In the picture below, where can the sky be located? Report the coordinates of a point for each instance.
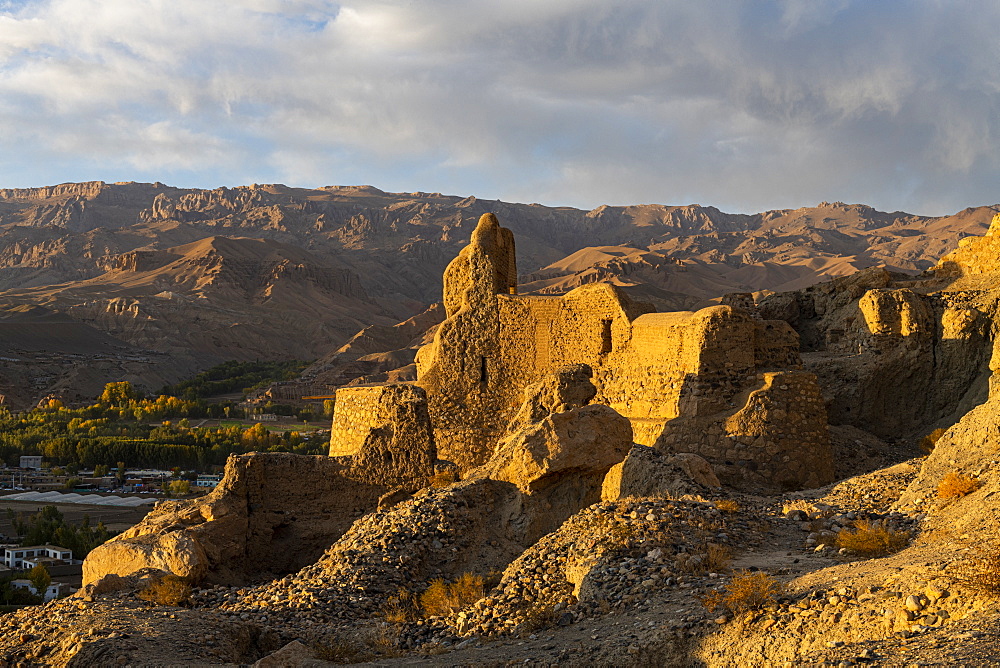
(744, 105)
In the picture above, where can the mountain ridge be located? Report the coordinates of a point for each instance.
(272, 271)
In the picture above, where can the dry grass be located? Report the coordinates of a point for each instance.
(956, 485)
(980, 571)
(360, 645)
(167, 590)
(343, 649)
(747, 591)
(385, 639)
(538, 618)
(441, 598)
(727, 506)
(872, 539)
(719, 557)
(928, 442)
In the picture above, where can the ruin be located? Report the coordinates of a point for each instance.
(720, 382)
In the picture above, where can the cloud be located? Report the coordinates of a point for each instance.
(746, 106)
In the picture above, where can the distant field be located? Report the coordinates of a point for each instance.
(115, 519)
(274, 426)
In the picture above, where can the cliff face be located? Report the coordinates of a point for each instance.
(900, 355)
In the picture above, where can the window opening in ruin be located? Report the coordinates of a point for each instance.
(605, 336)
(482, 370)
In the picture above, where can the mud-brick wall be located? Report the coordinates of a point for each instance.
(539, 335)
(776, 345)
(358, 411)
(680, 364)
(644, 379)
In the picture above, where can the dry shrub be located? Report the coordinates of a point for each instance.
(718, 558)
(727, 506)
(928, 442)
(980, 571)
(468, 588)
(872, 539)
(385, 639)
(441, 598)
(956, 485)
(167, 590)
(359, 645)
(714, 558)
(444, 478)
(745, 592)
(343, 649)
(402, 608)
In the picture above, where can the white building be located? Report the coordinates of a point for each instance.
(208, 481)
(54, 590)
(31, 462)
(14, 557)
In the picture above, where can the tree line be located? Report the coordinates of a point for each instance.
(117, 428)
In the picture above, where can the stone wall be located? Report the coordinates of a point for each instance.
(777, 439)
(272, 514)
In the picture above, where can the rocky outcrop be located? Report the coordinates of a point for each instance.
(974, 255)
(558, 450)
(272, 514)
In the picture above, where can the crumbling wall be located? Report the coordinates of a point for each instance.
(542, 334)
(385, 428)
(467, 389)
(272, 514)
(495, 343)
(652, 368)
(680, 363)
(891, 360)
(776, 436)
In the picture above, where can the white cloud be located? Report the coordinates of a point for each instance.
(743, 105)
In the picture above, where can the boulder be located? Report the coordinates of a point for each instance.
(647, 472)
(555, 434)
(291, 655)
(569, 387)
(174, 552)
(579, 443)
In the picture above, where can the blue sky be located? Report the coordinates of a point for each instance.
(742, 105)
